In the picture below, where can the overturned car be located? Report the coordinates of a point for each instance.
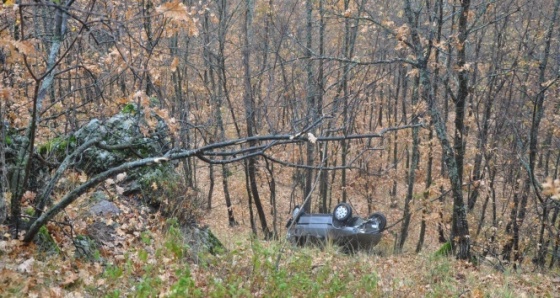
(340, 227)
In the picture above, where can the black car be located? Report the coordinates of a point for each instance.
(340, 227)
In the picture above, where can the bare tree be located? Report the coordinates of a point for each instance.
(43, 82)
(250, 117)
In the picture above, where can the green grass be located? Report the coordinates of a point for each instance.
(161, 264)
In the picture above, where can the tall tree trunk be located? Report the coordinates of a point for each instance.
(411, 177)
(426, 194)
(231, 218)
(438, 15)
(402, 84)
(538, 112)
(312, 112)
(493, 87)
(320, 90)
(20, 177)
(345, 113)
(249, 103)
(350, 34)
(460, 227)
(224, 93)
(212, 182)
(556, 242)
(3, 167)
(272, 186)
(452, 155)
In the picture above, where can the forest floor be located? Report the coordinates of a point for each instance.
(147, 256)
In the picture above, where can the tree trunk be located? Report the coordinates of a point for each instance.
(212, 181)
(411, 170)
(453, 157)
(273, 210)
(312, 113)
(3, 167)
(19, 179)
(320, 90)
(249, 104)
(538, 112)
(426, 195)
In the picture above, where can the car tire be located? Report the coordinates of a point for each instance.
(380, 219)
(296, 210)
(296, 213)
(342, 212)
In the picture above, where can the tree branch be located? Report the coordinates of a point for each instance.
(63, 166)
(201, 153)
(72, 196)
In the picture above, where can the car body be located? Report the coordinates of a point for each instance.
(339, 227)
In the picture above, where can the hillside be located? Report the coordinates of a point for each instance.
(144, 254)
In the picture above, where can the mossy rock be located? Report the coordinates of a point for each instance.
(215, 246)
(202, 240)
(157, 182)
(128, 127)
(86, 248)
(58, 147)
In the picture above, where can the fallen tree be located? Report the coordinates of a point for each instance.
(205, 153)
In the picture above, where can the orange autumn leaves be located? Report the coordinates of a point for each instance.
(181, 16)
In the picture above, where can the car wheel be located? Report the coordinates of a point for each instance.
(342, 212)
(295, 216)
(296, 211)
(378, 221)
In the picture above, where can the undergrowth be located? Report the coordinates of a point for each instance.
(249, 269)
(160, 264)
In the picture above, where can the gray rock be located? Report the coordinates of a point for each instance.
(124, 129)
(100, 232)
(132, 188)
(99, 196)
(104, 208)
(202, 240)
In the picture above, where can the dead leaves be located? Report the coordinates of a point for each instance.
(26, 266)
(69, 279)
(174, 64)
(180, 15)
(23, 272)
(5, 93)
(551, 188)
(25, 47)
